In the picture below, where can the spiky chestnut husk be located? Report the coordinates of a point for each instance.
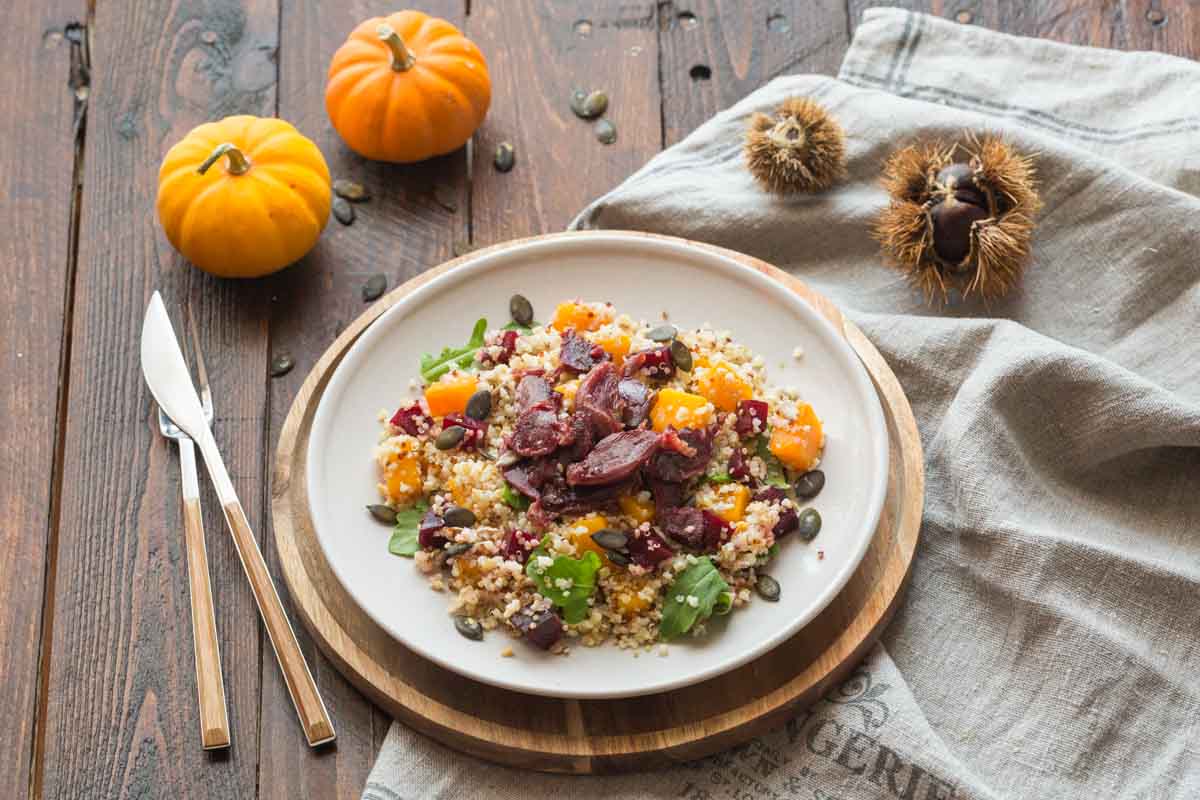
(955, 224)
(799, 148)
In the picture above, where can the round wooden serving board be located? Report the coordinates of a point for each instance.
(586, 736)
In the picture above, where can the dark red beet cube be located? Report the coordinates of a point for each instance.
(412, 420)
(739, 469)
(751, 418)
(789, 520)
(517, 545)
(655, 362)
(541, 628)
(648, 550)
(429, 531)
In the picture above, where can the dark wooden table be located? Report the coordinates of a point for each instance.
(95, 639)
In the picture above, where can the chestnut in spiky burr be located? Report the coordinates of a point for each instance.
(798, 148)
(963, 224)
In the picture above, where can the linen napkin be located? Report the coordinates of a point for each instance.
(1049, 642)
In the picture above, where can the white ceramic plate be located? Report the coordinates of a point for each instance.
(641, 277)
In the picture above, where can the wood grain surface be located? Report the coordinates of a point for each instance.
(605, 735)
(210, 683)
(94, 625)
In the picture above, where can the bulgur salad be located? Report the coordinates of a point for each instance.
(597, 479)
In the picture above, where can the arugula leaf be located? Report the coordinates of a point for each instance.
(514, 498)
(776, 476)
(516, 326)
(581, 572)
(773, 550)
(433, 367)
(719, 478)
(404, 536)
(703, 582)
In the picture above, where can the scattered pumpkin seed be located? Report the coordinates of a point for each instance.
(373, 288)
(354, 192)
(606, 132)
(663, 333)
(445, 196)
(385, 514)
(281, 365)
(469, 628)
(456, 549)
(450, 437)
(617, 557)
(505, 157)
(480, 405)
(681, 355)
(767, 588)
(610, 539)
(589, 105)
(810, 484)
(459, 517)
(343, 212)
(520, 309)
(809, 525)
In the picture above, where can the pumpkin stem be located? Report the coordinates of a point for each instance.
(402, 57)
(238, 163)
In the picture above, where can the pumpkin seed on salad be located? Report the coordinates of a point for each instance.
(597, 479)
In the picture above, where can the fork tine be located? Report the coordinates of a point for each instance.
(205, 394)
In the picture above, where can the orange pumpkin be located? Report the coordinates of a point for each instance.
(243, 197)
(407, 87)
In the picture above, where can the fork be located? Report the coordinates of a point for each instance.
(210, 685)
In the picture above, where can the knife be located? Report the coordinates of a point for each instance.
(170, 382)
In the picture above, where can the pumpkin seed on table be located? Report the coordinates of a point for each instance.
(469, 627)
(589, 105)
(663, 333)
(343, 212)
(458, 517)
(810, 484)
(809, 524)
(767, 588)
(385, 514)
(450, 437)
(610, 539)
(681, 355)
(373, 288)
(354, 192)
(505, 157)
(480, 405)
(520, 309)
(281, 365)
(606, 132)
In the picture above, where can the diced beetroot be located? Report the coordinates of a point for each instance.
(429, 531)
(751, 418)
(666, 494)
(506, 342)
(412, 420)
(508, 345)
(578, 354)
(771, 494)
(541, 628)
(476, 431)
(517, 545)
(655, 362)
(716, 530)
(739, 470)
(670, 440)
(672, 465)
(695, 528)
(648, 549)
(789, 520)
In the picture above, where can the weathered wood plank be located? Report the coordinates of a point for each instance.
(121, 718)
(715, 52)
(36, 190)
(538, 53)
(1167, 26)
(404, 229)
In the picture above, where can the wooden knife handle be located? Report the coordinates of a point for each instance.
(318, 728)
(210, 686)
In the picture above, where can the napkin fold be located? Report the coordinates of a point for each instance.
(1049, 642)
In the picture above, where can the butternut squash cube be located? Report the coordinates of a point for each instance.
(681, 410)
(798, 444)
(450, 394)
(722, 386)
(580, 316)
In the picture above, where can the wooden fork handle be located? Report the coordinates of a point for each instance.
(210, 686)
(318, 728)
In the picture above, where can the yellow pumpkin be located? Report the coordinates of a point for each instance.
(243, 197)
(407, 87)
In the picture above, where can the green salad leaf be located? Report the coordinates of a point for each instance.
(434, 367)
(404, 536)
(516, 326)
(719, 478)
(776, 475)
(703, 582)
(514, 498)
(567, 582)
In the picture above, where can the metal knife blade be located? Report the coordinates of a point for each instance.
(166, 372)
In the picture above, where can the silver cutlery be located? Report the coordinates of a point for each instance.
(210, 685)
(167, 375)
